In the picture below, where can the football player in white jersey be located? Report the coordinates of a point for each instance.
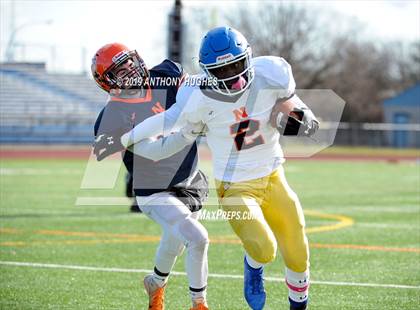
(244, 112)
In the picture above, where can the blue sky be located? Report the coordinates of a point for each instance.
(142, 25)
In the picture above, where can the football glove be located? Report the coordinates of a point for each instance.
(299, 122)
(107, 144)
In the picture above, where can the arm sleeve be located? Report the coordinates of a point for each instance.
(161, 148)
(160, 124)
(173, 119)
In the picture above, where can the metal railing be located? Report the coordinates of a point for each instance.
(378, 134)
(79, 127)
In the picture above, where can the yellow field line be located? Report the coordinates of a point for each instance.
(12, 231)
(343, 221)
(215, 240)
(222, 240)
(81, 242)
(85, 234)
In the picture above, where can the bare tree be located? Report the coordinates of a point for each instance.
(324, 56)
(408, 63)
(296, 33)
(326, 50)
(362, 77)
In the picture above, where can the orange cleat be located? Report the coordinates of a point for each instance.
(200, 305)
(155, 292)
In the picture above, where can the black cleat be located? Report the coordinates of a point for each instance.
(301, 307)
(298, 305)
(135, 208)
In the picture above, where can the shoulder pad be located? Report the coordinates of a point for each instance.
(168, 68)
(276, 71)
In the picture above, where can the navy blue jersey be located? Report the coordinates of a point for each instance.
(149, 176)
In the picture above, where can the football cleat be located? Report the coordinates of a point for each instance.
(155, 292)
(298, 306)
(135, 208)
(254, 286)
(200, 305)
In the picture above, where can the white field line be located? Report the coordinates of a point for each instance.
(212, 275)
(37, 171)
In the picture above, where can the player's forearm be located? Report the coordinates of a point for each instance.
(160, 124)
(161, 148)
(153, 126)
(287, 106)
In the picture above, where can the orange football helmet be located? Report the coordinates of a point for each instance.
(108, 58)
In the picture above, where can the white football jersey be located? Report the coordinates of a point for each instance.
(243, 143)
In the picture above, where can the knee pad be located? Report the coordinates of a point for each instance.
(171, 248)
(262, 251)
(193, 232)
(297, 256)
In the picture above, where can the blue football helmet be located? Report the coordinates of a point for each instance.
(225, 57)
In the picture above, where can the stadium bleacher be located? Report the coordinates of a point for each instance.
(41, 107)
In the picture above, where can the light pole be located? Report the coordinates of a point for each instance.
(11, 42)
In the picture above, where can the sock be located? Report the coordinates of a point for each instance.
(253, 263)
(160, 278)
(198, 295)
(298, 284)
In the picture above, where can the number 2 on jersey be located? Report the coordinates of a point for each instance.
(242, 133)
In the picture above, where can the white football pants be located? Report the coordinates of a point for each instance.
(181, 229)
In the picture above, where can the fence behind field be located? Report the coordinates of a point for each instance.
(378, 135)
(41, 107)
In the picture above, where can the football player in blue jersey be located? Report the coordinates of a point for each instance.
(169, 191)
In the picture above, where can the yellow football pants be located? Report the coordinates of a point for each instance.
(279, 219)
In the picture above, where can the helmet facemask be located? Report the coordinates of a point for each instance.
(232, 76)
(128, 72)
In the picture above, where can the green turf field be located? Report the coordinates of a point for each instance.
(363, 221)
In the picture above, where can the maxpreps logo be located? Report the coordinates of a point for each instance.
(224, 58)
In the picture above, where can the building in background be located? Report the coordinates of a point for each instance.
(404, 110)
